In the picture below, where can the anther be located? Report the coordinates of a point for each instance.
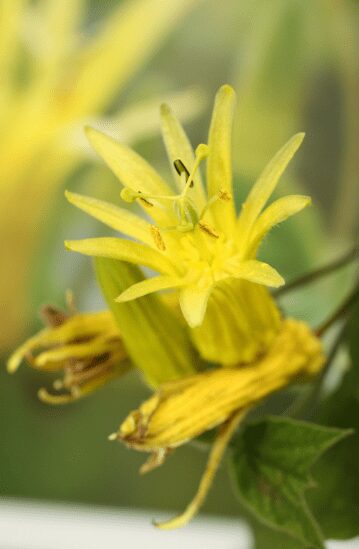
(145, 202)
(157, 237)
(181, 168)
(112, 436)
(208, 229)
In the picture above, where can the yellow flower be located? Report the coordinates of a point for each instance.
(196, 242)
(182, 410)
(87, 348)
(53, 78)
(201, 248)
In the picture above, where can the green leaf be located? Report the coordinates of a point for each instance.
(266, 538)
(336, 504)
(271, 465)
(155, 338)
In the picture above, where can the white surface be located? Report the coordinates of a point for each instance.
(29, 525)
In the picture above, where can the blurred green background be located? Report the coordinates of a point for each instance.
(295, 67)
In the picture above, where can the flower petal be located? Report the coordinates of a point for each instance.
(27, 347)
(120, 219)
(178, 146)
(219, 162)
(121, 47)
(277, 212)
(193, 301)
(149, 286)
(98, 346)
(265, 186)
(126, 250)
(258, 272)
(132, 170)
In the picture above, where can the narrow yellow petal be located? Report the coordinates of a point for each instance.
(265, 186)
(129, 36)
(149, 286)
(214, 460)
(219, 162)
(125, 250)
(120, 219)
(277, 212)
(133, 171)
(62, 21)
(258, 272)
(193, 301)
(141, 121)
(178, 146)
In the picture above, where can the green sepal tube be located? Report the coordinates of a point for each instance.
(155, 338)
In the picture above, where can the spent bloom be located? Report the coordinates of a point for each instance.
(85, 347)
(199, 248)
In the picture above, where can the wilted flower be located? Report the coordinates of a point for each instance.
(85, 347)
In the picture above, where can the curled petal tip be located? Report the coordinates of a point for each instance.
(48, 398)
(13, 364)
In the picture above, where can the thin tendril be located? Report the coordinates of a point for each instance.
(350, 256)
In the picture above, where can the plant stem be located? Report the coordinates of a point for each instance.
(342, 310)
(352, 255)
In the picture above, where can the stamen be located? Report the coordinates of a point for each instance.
(201, 153)
(157, 237)
(208, 229)
(112, 436)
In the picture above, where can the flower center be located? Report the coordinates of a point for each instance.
(186, 211)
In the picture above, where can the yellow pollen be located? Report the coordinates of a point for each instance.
(224, 195)
(157, 237)
(208, 230)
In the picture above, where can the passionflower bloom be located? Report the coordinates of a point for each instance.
(200, 248)
(85, 347)
(54, 76)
